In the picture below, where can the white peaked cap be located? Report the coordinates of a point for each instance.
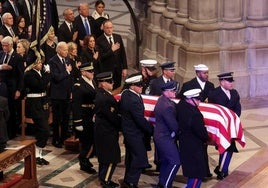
(134, 79)
(192, 93)
(148, 62)
(201, 67)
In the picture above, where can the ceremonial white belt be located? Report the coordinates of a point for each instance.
(88, 105)
(34, 95)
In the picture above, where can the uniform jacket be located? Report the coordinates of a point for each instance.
(111, 60)
(107, 126)
(192, 84)
(166, 124)
(4, 115)
(61, 81)
(34, 83)
(218, 96)
(193, 135)
(156, 84)
(14, 77)
(134, 125)
(83, 94)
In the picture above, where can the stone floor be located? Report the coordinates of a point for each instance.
(63, 171)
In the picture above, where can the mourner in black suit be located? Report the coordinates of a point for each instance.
(107, 127)
(83, 111)
(84, 24)
(11, 74)
(193, 135)
(134, 126)
(113, 55)
(26, 10)
(201, 82)
(66, 31)
(60, 93)
(168, 72)
(166, 133)
(36, 82)
(8, 29)
(226, 96)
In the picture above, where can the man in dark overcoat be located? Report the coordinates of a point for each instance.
(226, 96)
(134, 126)
(84, 92)
(166, 133)
(193, 135)
(107, 127)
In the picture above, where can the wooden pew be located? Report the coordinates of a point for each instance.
(13, 156)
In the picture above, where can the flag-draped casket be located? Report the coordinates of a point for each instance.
(222, 124)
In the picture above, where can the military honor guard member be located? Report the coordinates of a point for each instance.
(134, 126)
(193, 135)
(201, 82)
(84, 92)
(168, 72)
(36, 81)
(107, 127)
(227, 96)
(166, 133)
(148, 72)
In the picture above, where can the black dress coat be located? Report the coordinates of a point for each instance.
(156, 84)
(64, 33)
(193, 135)
(24, 11)
(87, 57)
(61, 80)
(134, 126)
(4, 115)
(193, 84)
(107, 126)
(218, 96)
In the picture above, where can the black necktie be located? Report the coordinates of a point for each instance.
(110, 40)
(71, 26)
(6, 59)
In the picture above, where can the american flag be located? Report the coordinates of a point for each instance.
(41, 24)
(222, 124)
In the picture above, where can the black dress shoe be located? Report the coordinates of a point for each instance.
(113, 184)
(109, 184)
(44, 161)
(128, 185)
(88, 170)
(222, 175)
(209, 175)
(217, 170)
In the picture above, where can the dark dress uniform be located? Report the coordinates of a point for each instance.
(192, 84)
(107, 127)
(83, 110)
(218, 96)
(134, 126)
(36, 104)
(193, 135)
(165, 137)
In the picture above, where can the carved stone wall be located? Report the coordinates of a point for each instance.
(226, 35)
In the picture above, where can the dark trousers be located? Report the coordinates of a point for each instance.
(224, 161)
(106, 171)
(167, 173)
(132, 174)
(41, 131)
(117, 77)
(194, 183)
(86, 139)
(60, 109)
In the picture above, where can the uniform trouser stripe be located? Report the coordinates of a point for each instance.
(108, 172)
(170, 175)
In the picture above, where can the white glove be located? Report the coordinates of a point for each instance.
(173, 134)
(47, 68)
(79, 128)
